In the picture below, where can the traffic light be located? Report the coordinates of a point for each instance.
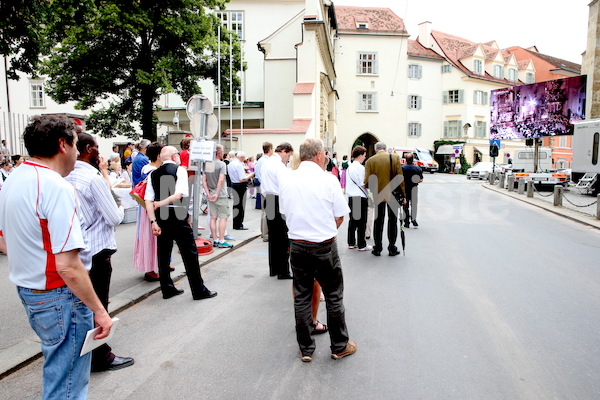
(493, 150)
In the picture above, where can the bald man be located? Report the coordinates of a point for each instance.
(168, 216)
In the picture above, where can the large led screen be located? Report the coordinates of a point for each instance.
(536, 110)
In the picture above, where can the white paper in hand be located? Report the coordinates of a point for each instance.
(90, 343)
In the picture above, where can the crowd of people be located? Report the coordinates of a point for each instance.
(70, 230)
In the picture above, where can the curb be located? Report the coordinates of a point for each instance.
(573, 215)
(28, 350)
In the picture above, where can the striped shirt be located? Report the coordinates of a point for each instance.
(97, 210)
(38, 219)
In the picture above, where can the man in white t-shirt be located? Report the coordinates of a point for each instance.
(314, 206)
(42, 241)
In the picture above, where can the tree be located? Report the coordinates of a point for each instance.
(21, 38)
(118, 57)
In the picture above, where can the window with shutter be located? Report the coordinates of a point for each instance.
(367, 64)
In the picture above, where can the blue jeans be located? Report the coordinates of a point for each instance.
(61, 321)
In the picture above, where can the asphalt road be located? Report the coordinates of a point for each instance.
(495, 299)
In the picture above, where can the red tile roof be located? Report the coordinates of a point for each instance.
(416, 49)
(378, 20)
(455, 47)
(299, 125)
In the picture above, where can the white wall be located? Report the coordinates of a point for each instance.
(388, 124)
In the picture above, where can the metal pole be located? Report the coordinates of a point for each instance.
(219, 82)
(242, 101)
(598, 207)
(198, 177)
(230, 92)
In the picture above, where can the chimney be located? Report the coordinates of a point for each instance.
(425, 35)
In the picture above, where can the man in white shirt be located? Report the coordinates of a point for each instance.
(239, 184)
(357, 200)
(314, 206)
(42, 241)
(275, 171)
(99, 215)
(267, 152)
(168, 185)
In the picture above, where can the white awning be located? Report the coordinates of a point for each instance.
(483, 150)
(449, 149)
(445, 149)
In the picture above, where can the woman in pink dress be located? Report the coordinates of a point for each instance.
(145, 257)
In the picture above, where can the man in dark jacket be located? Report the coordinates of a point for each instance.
(413, 175)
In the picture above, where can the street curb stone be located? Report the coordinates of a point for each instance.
(28, 350)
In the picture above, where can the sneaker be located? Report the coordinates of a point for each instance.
(351, 247)
(225, 245)
(306, 358)
(229, 237)
(216, 243)
(350, 349)
(366, 248)
(415, 223)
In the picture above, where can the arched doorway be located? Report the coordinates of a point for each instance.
(368, 141)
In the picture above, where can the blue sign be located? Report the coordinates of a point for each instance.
(495, 142)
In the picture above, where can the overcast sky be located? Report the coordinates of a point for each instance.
(558, 29)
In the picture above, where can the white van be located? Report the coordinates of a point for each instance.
(522, 160)
(422, 158)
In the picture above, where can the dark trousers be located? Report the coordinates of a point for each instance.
(279, 245)
(100, 275)
(178, 230)
(410, 214)
(392, 230)
(357, 223)
(318, 261)
(239, 204)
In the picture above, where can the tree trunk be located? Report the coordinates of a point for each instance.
(148, 125)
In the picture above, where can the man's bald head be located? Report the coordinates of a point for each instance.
(170, 153)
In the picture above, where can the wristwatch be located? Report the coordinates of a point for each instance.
(153, 221)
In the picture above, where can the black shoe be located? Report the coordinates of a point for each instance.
(241, 228)
(394, 252)
(376, 252)
(150, 278)
(367, 237)
(209, 294)
(172, 293)
(286, 276)
(415, 223)
(117, 363)
(407, 224)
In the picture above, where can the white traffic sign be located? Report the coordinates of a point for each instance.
(202, 151)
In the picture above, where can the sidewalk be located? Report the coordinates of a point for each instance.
(28, 349)
(545, 200)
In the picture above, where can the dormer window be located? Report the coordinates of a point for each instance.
(478, 67)
(499, 71)
(362, 25)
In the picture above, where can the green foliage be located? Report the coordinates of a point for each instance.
(21, 34)
(464, 165)
(117, 57)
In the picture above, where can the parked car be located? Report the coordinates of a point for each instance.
(481, 170)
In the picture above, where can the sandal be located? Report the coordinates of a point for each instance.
(316, 331)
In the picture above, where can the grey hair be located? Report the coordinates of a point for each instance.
(380, 146)
(310, 148)
(144, 143)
